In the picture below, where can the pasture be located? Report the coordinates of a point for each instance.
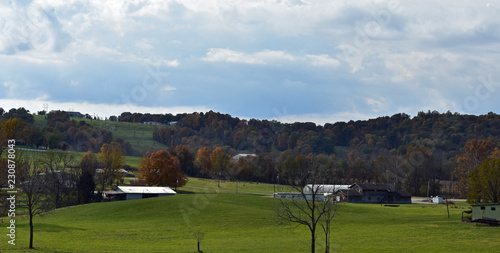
(246, 223)
(139, 135)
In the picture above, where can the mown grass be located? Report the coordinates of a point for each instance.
(201, 185)
(245, 223)
(129, 160)
(140, 136)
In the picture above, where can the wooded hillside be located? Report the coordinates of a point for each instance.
(416, 153)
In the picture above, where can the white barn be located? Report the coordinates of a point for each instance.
(139, 192)
(325, 188)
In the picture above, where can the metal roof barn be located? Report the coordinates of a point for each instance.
(139, 192)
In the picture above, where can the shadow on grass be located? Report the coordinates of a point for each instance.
(184, 192)
(53, 228)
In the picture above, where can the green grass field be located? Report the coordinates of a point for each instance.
(140, 136)
(129, 160)
(201, 185)
(245, 223)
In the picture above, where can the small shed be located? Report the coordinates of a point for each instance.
(139, 192)
(437, 200)
(486, 212)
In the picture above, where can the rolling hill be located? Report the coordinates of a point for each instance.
(245, 223)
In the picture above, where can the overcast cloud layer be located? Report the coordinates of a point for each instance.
(320, 61)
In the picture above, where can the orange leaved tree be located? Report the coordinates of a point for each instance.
(162, 169)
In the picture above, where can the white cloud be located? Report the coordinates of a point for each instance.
(426, 56)
(270, 56)
(23, 89)
(144, 44)
(226, 55)
(377, 105)
(168, 88)
(74, 83)
(9, 86)
(323, 60)
(406, 67)
(267, 57)
(261, 57)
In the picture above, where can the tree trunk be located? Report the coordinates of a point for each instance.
(199, 246)
(327, 248)
(31, 230)
(313, 241)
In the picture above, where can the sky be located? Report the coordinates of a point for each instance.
(318, 61)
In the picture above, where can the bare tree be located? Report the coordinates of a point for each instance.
(59, 183)
(198, 235)
(309, 206)
(330, 210)
(34, 198)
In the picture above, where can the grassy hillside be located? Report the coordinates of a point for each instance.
(130, 160)
(201, 185)
(140, 136)
(245, 223)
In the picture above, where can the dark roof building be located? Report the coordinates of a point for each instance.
(374, 193)
(75, 114)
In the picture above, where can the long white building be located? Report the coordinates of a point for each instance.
(325, 188)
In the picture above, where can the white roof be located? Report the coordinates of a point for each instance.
(326, 188)
(238, 156)
(145, 189)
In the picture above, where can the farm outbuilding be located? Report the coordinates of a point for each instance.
(373, 193)
(486, 212)
(325, 188)
(139, 192)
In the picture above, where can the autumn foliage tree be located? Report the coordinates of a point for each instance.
(475, 152)
(203, 160)
(162, 169)
(10, 129)
(220, 162)
(112, 159)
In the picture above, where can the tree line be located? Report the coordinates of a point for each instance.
(418, 153)
(447, 132)
(61, 132)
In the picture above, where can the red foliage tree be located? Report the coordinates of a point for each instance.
(162, 169)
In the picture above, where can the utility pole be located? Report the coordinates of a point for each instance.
(218, 182)
(428, 181)
(387, 184)
(278, 179)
